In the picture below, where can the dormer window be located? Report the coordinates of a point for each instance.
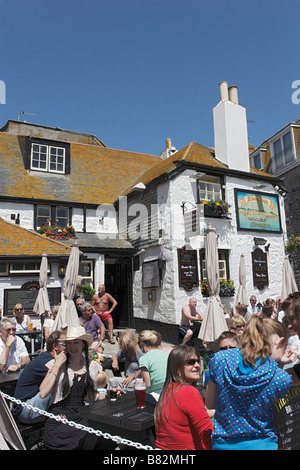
(282, 151)
(47, 158)
(256, 161)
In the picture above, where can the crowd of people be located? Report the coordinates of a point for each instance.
(253, 375)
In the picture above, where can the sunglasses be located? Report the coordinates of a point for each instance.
(192, 362)
(19, 309)
(10, 329)
(227, 347)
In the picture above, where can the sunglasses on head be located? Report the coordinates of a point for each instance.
(192, 362)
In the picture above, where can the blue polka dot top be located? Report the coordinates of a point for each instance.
(245, 395)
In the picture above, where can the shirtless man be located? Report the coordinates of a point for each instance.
(188, 313)
(100, 303)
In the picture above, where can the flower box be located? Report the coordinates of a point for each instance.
(227, 288)
(216, 208)
(56, 232)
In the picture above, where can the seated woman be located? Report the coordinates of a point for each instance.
(70, 383)
(181, 420)
(153, 363)
(22, 320)
(129, 352)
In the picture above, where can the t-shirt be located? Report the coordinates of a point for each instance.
(92, 325)
(155, 362)
(184, 423)
(31, 378)
(16, 352)
(287, 416)
(130, 366)
(245, 396)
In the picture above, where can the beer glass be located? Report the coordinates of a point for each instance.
(140, 393)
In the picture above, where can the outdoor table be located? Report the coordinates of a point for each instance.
(120, 418)
(32, 334)
(9, 379)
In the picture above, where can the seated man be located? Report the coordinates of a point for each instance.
(100, 302)
(91, 322)
(27, 389)
(13, 352)
(188, 313)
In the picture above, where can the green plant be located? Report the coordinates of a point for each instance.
(56, 232)
(293, 244)
(87, 290)
(217, 207)
(227, 288)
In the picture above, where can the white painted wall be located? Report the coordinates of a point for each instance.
(170, 298)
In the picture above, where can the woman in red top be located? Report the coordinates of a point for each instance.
(181, 419)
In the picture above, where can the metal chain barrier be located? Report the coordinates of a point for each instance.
(106, 435)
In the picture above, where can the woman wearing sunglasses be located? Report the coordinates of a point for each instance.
(182, 422)
(243, 384)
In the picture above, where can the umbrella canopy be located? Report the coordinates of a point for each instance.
(9, 431)
(289, 285)
(213, 323)
(241, 296)
(42, 304)
(67, 314)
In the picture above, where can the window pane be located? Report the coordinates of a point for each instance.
(277, 146)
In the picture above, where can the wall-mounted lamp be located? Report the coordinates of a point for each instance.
(61, 271)
(259, 241)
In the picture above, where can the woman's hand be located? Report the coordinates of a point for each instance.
(291, 354)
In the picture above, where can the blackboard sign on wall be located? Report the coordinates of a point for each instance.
(27, 298)
(260, 269)
(188, 269)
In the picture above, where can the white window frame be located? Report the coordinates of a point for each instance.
(212, 189)
(273, 155)
(253, 160)
(47, 154)
(24, 270)
(222, 261)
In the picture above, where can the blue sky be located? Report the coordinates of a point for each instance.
(135, 72)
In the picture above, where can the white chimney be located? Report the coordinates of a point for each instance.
(230, 129)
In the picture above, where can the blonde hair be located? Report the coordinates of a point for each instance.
(239, 320)
(150, 338)
(128, 342)
(255, 341)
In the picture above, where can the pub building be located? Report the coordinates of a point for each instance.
(140, 220)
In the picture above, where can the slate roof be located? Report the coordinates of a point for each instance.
(19, 241)
(192, 153)
(98, 174)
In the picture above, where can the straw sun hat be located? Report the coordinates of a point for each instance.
(78, 332)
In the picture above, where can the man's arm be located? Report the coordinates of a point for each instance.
(113, 302)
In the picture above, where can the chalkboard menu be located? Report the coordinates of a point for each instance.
(151, 274)
(27, 298)
(260, 269)
(188, 269)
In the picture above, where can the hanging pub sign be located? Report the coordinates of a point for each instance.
(260, 269)
(188, 269)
